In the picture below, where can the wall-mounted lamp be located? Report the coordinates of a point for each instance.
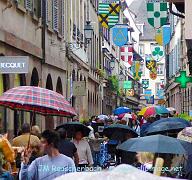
(88, 31)
(112, 63)
(121, 76)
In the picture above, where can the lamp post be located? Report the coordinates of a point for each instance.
(88, 31)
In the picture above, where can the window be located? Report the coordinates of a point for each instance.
(55, 15)
(160, 69)
(28, 5)
(140, 27)
(141, 49)
(142, 69)
(157, 87)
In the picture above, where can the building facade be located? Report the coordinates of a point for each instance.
(179, 59)
(59, 56)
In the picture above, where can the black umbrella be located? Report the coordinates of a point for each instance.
(72, 127)
(154, 144)
(118, 131)
(169, 121)
(165, 127)
(187, 146)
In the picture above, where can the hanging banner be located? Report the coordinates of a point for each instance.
(157, 13)
(130, 92)
(127, 84)
(163, 35)
(119, 34)
(157, 52)
(145, 83)
(150, 100)
(151, 65)
(153, 75)
(127, 54)
(147, 93)
(160, 94)
(137, 73)
(108, 13)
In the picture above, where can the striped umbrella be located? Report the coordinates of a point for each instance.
(37, 100)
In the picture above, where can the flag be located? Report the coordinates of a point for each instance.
(157, 14)
(108, 13)
(150, 100)
(119, 34)
(157, 52)
(147, 93)
(127, 54)
(163, 35)
(145, 83)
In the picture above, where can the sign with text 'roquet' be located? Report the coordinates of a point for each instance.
(14, 64)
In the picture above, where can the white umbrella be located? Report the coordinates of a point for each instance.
(171, 110)
(103, 117)
(120, 172)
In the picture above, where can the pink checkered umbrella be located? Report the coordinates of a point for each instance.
(38, 100)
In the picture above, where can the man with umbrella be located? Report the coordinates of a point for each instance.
(50, 166)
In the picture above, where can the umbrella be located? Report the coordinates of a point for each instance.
(170, 109)
(38, 100)
(103, 117)
(154, 144)
(118, 131)
(125, 116)
(186, 134)
(72, 127)
(152, 111)
(120, 172)
(172, 119)
(169, 120)
(121, 110)
(165, 127)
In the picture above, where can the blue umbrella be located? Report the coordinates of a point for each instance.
(154, 144)
(121, 110)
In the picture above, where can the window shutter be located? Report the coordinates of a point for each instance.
(28, 5)
(62, 17)
(49, 13)
(37, 8)
(55, 15)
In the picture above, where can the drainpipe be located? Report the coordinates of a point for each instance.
(43, 29)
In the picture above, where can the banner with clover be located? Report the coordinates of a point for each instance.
(157, 52)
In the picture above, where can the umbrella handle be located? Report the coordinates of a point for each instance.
(31, 123)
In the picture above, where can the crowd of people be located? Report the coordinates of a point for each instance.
(51, 153)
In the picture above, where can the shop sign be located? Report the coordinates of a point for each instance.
(14, 64)
(79, 88)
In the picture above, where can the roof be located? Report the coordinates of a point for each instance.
(138, 7)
